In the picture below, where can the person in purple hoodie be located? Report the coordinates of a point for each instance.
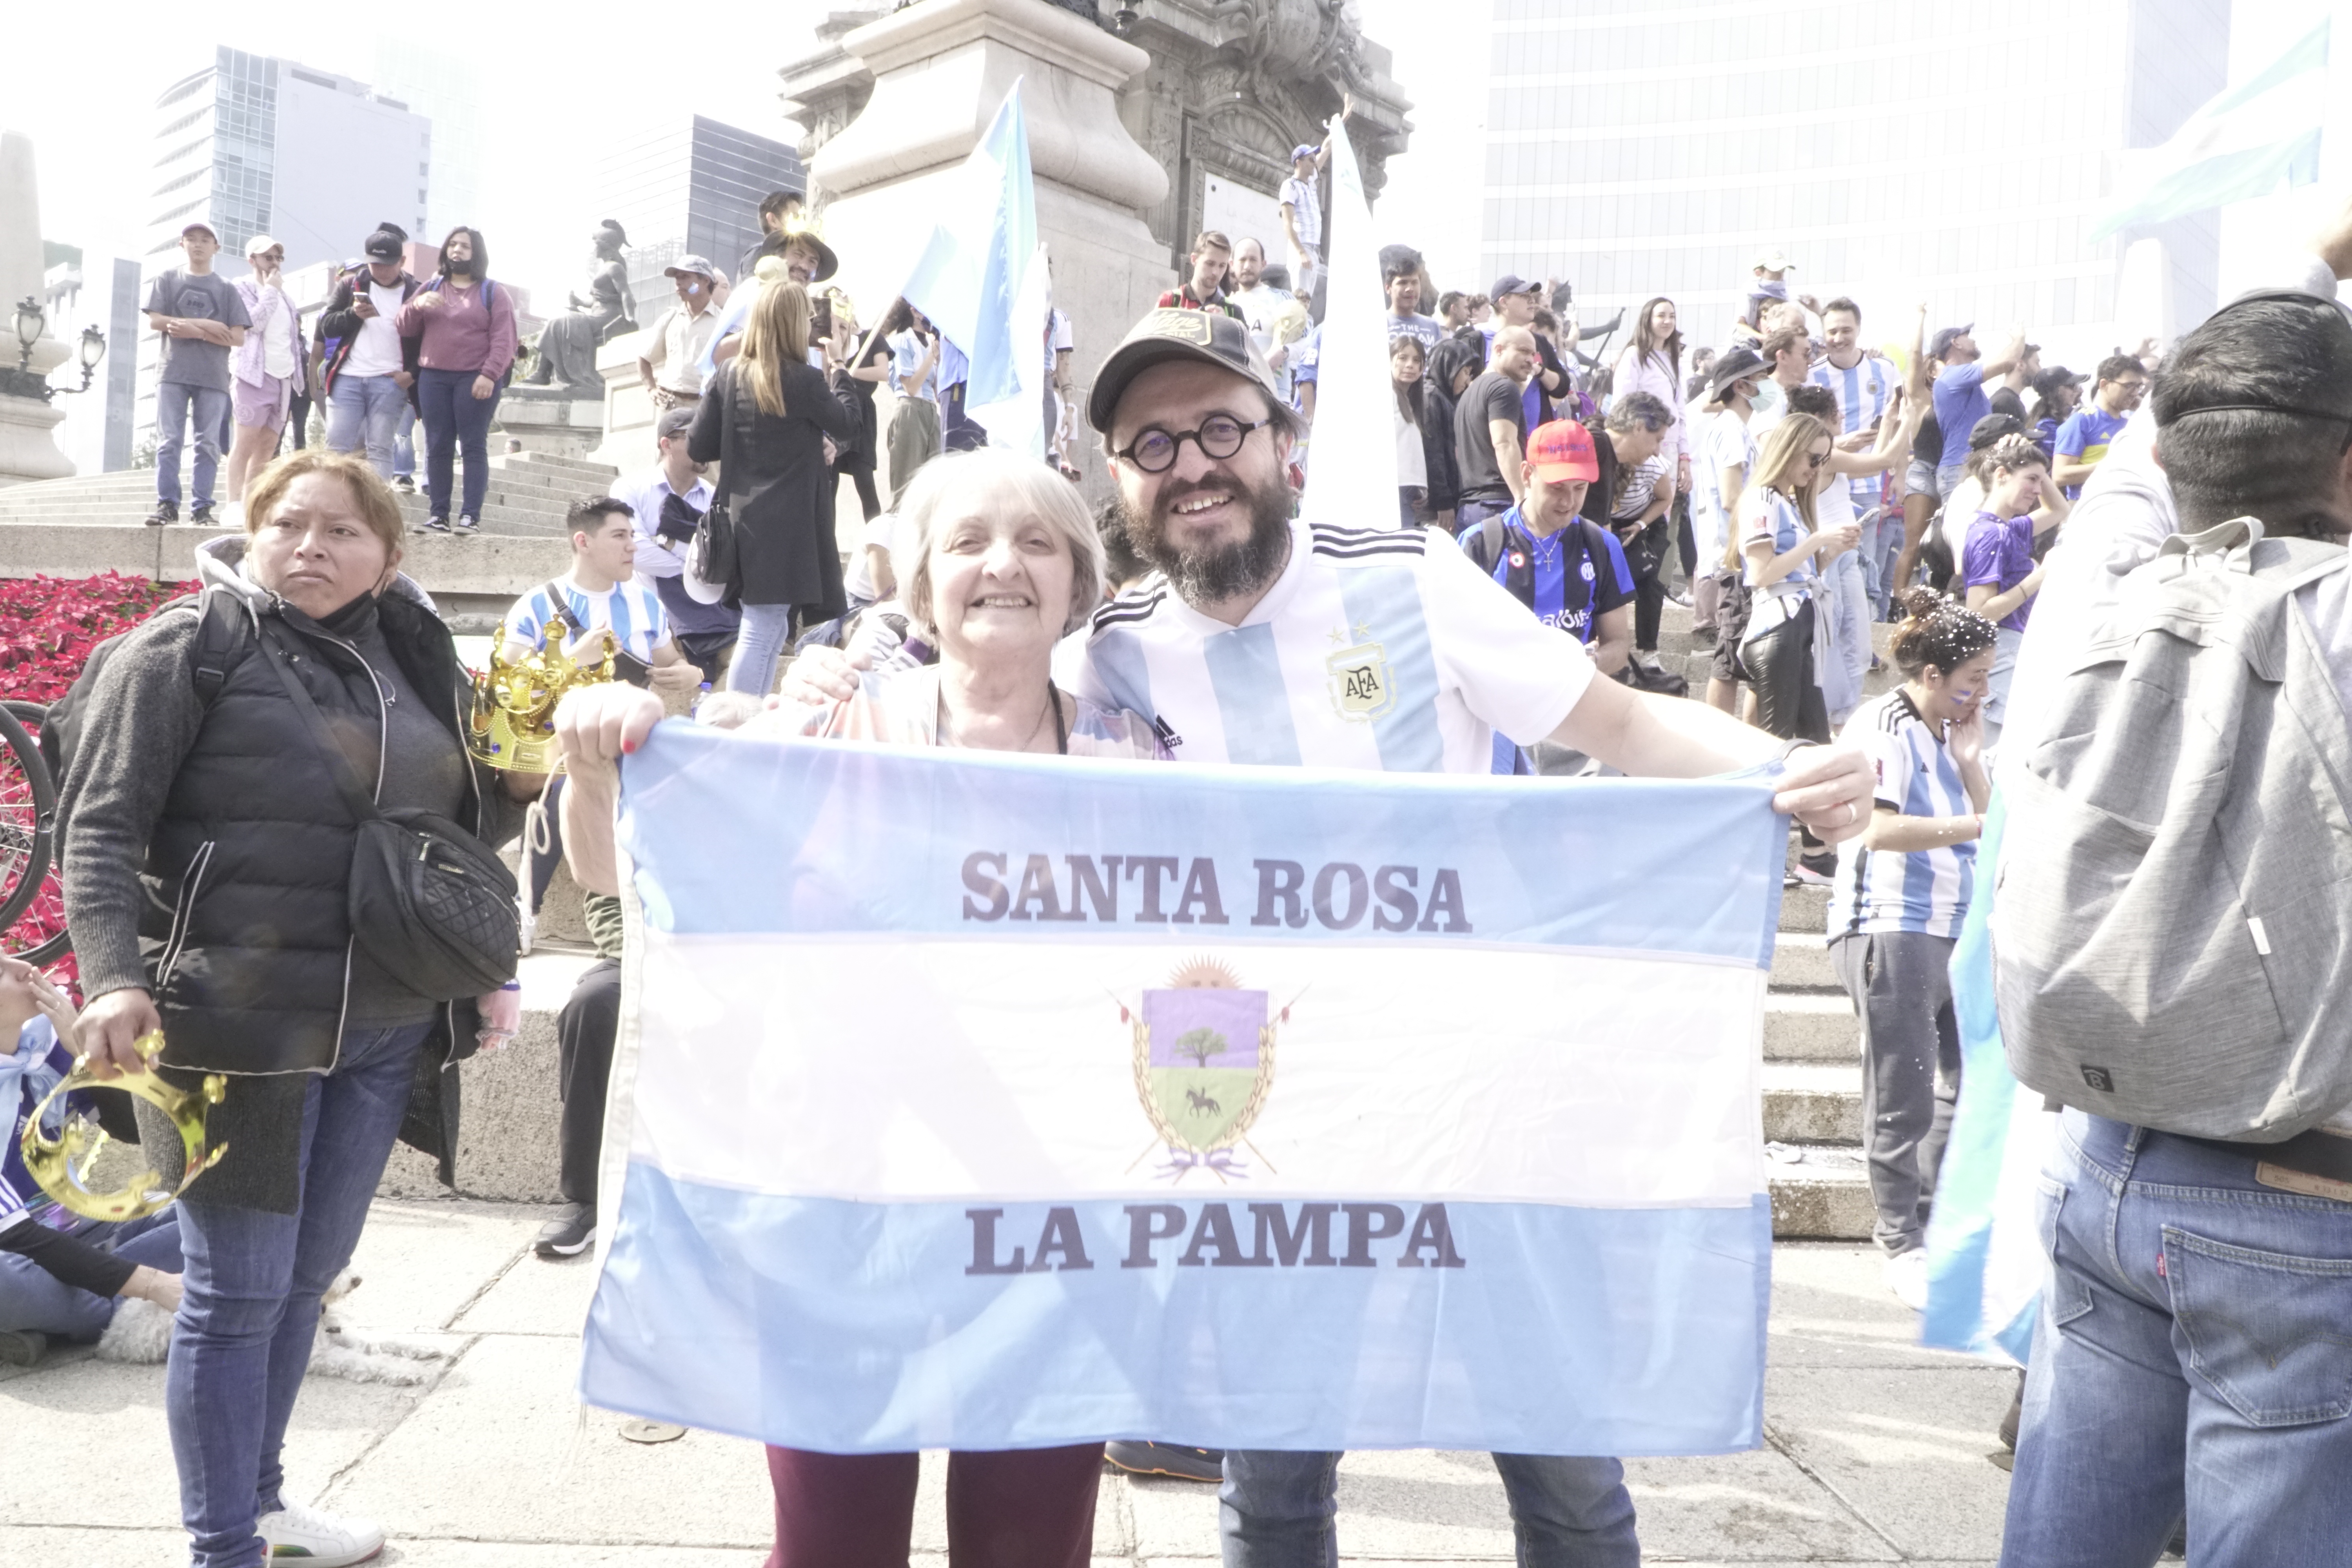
(457, 334)
(1997, 562)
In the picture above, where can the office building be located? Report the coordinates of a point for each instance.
(1898, 154)
(254, 145)
(78, 291)
(690, 186)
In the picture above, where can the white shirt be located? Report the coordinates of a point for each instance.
(1923, 891)
(681, 339)
(644, 494)
(376, 350)
(1413, 458)
(1373, 650)
(631, 609)
(858, 577)
(1724, 442)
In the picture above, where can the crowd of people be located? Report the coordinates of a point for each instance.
(1791, 487)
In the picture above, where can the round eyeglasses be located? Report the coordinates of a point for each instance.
(1219, 437)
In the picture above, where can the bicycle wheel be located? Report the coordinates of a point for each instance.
(29, 818)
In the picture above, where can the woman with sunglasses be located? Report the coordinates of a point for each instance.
(1787, 553)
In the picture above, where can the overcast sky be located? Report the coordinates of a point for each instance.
(551, 83)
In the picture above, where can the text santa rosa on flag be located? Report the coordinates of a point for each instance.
(987, 1101)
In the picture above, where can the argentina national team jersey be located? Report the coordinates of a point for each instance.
(1925, 890)
(633, 609)
(1862, 393)
(1379, 649)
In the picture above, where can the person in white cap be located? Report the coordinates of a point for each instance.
(201, 318)
(266, 368)
(1301, 203)
(671, 366)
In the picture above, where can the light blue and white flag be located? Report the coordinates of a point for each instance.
(1985, 1258)
(969, 1100)
(1351, 465)
(2249, 140)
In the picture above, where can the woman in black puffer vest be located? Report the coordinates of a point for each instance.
(208, 851)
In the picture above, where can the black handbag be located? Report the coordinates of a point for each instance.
(431, 903)
(713, 553)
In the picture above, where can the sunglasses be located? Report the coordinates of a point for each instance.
(1815, 459)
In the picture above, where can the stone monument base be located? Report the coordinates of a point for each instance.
(556, 420)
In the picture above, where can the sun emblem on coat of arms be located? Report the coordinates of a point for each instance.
(1204, 1065)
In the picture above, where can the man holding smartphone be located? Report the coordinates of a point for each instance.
(366, 383)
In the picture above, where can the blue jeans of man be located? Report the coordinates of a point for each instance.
(249, 1309)
(175, 402)
(2193, 1354)
(364, 411)
(403, 444)
(32, 1298)
(455, 418)
(1276, 1510)
(1469, 513)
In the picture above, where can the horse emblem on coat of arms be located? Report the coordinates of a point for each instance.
(1204, 1065)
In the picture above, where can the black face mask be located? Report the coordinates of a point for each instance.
(354, 620)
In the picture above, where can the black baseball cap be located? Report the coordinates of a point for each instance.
(1210, 337)
(382, 246)
(1941, 344)
(1992, 428)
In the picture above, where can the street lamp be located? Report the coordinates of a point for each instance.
(22, 382)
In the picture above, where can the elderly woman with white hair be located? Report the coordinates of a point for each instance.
(1001, 560)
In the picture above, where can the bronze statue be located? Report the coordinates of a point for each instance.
(567, 347)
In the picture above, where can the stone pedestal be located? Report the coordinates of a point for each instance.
(628, 443)
(548, 419)
(939, 71)
(28, 446)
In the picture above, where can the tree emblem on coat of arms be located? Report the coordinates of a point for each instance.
(1203, 1063)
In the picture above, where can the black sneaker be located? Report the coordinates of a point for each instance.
(166, 512)
(403, 482)
(1815, 870)
(567, 1234)
(1167, 1459)
(436, 524)
(201, 514)
(469, 526)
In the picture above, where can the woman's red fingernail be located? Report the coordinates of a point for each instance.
(628, 746)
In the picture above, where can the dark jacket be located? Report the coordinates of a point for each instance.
(207, 853)
(778, 486)
(339, 325)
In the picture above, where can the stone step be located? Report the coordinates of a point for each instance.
(1811, 1026)
(1804, 909)
(1823, 1195)
(1801, 962)
(1813, 1103)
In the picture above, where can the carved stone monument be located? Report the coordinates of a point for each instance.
(1218, 93)
(568, 344)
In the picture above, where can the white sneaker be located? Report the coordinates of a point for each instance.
(1907, 1276)
(316, 1540)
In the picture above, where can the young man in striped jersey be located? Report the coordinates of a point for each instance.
(1864, 384)
(1261, 639)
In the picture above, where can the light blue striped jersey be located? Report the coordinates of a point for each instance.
(1862, 394)
(633, 609)
(1925, 890)
(1765, 513)
(1377, 649)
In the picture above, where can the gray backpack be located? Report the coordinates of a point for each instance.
(2172, 929)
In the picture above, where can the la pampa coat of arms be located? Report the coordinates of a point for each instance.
(1204, 1065)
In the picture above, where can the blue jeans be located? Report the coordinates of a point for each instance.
(365, 411)
(32, 1298)
(2194, 1353)
(765, 627)
(174, 402)
(403, 444)
(1275, 1509)
(454, 417)
(250, 1307)
(1469, 514)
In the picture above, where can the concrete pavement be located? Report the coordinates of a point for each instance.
(1877, 1450)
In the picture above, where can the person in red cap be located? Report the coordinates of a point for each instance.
(1569, 570)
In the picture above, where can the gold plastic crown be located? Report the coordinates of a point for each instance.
(513, 725)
